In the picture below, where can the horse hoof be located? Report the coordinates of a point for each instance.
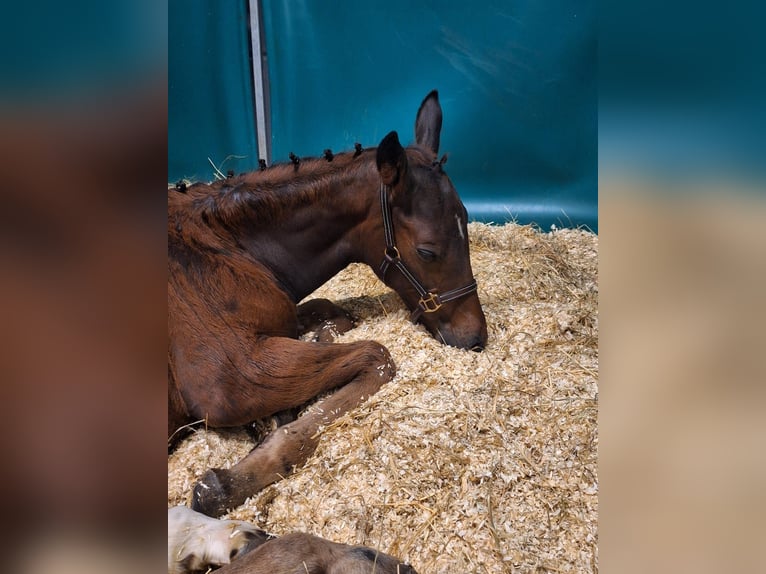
(213, 495)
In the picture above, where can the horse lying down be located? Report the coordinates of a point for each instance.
(197, 543)
(243, 252)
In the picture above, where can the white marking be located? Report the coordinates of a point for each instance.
(198, 543)
(460, 226)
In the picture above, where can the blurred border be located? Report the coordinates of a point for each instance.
(83, 141)
(682, 206)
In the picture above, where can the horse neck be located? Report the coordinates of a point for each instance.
(331, 218)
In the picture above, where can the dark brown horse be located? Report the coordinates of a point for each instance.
(244, 251)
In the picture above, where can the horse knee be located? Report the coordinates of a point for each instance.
(380, 361)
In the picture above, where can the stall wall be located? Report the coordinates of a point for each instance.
(210, 93)
(517, 83)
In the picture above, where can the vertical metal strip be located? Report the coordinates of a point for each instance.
(260, 82)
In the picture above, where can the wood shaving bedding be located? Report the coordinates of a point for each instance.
(465, 462)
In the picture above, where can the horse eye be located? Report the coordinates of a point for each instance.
(426, 255)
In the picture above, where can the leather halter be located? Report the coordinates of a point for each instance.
(429, 301)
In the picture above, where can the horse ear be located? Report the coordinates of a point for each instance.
(391, 159)
(428, 124)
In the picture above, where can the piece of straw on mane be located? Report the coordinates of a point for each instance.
(465, 462)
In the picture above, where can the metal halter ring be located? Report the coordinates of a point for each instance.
(391, 256)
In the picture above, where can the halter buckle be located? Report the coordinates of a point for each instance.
(431, 304)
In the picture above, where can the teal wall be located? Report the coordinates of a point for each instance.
(210, 92)
(517, 83)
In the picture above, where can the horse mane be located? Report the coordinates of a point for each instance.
(270, 194)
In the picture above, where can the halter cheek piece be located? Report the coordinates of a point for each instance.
(429, 301)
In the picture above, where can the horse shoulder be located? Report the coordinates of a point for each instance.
(221, 302)
(221, 284)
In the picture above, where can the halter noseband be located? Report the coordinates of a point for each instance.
(429, 301)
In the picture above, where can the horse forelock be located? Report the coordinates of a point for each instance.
(430, 173)
(420, 156)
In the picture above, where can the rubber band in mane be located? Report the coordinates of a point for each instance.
(271, 194)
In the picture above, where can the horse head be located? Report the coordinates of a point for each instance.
(426, 259)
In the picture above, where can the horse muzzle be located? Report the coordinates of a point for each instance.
(465, 328)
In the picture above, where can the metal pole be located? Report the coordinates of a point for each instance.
(260, 82)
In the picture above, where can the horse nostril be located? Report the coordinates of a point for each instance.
(477, 345)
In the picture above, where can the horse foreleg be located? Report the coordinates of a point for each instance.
(325, 317)
(359, 369)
